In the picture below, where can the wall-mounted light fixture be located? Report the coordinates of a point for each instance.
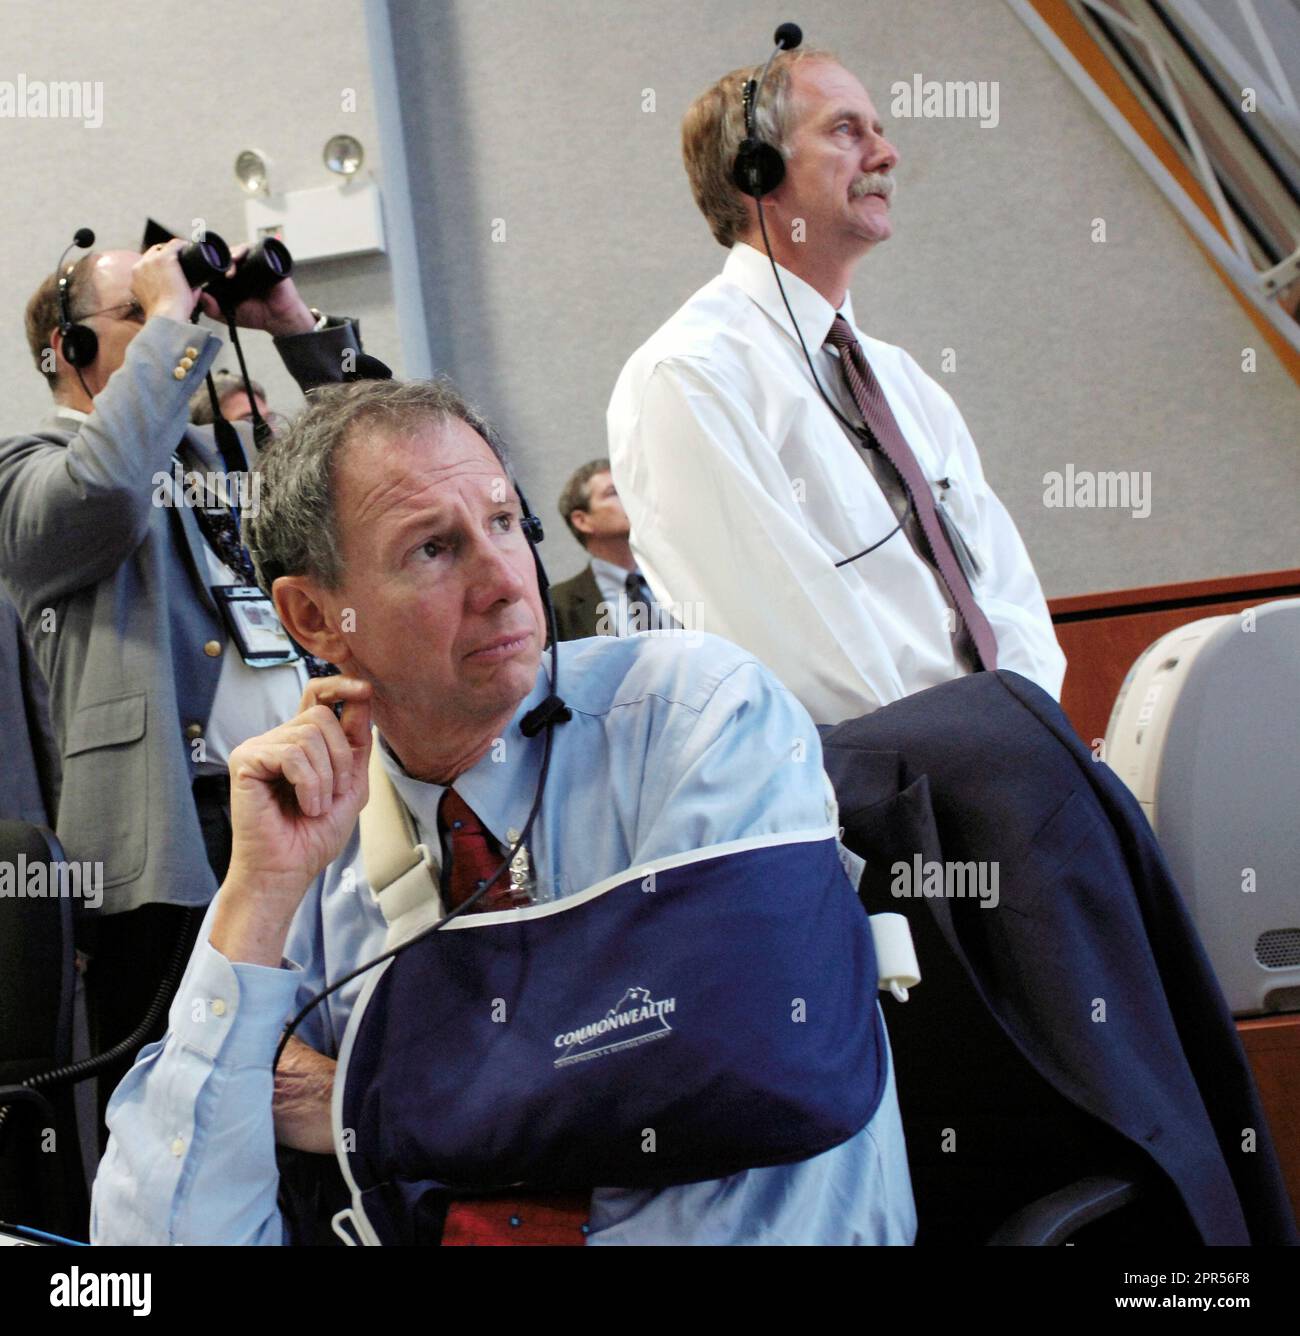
(253, 172)
(345, 218)
(343, 155)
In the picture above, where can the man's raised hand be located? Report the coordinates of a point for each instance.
(280, 310)
(295, 793)
(159, 284)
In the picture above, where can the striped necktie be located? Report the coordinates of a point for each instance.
(640, 603)
(888, 436)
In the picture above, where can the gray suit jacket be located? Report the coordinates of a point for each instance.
(29, 777)
(113, 594)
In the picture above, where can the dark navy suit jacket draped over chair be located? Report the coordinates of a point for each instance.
(1077, 1027)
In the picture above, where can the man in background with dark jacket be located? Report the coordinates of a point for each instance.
(610, 596)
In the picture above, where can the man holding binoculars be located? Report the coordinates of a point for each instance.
(120, 545)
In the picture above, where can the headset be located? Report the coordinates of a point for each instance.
(759, 167)
(757, 171)
(80, 342)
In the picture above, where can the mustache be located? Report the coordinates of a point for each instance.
(874, 183)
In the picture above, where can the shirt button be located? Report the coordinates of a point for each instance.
(456, 825)
(212, 648)
(218, 1006)
(193, 731)
(179, 373)
(178, 1147)
(515, 1221)
(585, 1227)
(186, 362)
(191, 352)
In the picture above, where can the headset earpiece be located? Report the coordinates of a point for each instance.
(759, 168)
(80, 345)
(528, 521)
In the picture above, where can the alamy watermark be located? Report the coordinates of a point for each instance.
(929, 99)
(209, 489)
(39, 99)
(96, 1289)
(684, 620)
(1085, 489)
(42, 879)
(929, 879)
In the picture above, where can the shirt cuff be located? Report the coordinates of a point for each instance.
(233, 1013)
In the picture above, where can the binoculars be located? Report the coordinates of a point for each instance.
(204, 264)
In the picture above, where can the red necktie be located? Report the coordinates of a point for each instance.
(879, 417)
(473, 858)
(550, 1218)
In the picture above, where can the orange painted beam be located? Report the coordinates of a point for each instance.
(1058, 16)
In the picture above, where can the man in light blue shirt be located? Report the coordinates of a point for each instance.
(413, 575)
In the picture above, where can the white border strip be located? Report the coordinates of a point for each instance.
(636, 872)
(360, 1222)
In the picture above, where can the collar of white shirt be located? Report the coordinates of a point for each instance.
(500, 787)
(751, 271)
(609, 576)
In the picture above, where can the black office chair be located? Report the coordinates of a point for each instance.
(42, 1176)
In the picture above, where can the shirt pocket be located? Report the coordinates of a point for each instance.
(955, 498)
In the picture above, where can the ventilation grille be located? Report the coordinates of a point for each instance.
(1278, 949)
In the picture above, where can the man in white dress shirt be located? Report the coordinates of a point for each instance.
(753, 499)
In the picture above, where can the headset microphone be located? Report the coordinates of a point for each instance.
(80, 342)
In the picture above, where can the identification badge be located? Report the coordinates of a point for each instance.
(252, 620)
(966, 558)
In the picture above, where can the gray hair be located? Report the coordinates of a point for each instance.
(712, 130)
(295, 528)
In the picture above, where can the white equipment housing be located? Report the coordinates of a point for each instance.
(1206, 734)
